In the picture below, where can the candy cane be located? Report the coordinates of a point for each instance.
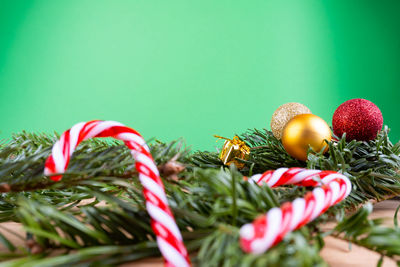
(169, 238)
(269, 229)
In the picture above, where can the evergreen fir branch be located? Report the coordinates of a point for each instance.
(266, 153)
(91, 256)
(359, 230)
(98, 211)
(22, 160)
(221, 248)
(213, 184)
(373, 166)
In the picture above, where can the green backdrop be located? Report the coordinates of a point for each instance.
(193, 68)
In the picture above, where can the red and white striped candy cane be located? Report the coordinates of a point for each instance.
(169, 238)
(269, 229)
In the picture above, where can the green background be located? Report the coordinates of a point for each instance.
(193, 68)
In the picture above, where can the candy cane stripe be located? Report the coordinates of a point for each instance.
(267, 230)
(75, 136)
(131, 137)
(275, 176)
(169, 238)
(298, 211)
(105, 129)
(161, 216)
(147, 161)
(58, 159)
(171, 254)
(153, 187)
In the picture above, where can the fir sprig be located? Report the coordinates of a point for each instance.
(372, 166)
(359, 230)
(97, 210)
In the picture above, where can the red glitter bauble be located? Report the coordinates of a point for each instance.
(359, 118)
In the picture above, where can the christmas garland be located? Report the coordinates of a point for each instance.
(96, 214)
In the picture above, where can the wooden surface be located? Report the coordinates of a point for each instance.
(336, 252)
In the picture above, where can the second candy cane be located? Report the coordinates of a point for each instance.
(269, 229)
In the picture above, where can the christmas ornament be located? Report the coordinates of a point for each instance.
(359, 118)
(232, 150)
(169, 238)
(304, 131)
(267, 230)
(284, 114)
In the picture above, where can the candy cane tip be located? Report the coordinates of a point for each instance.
(56, 178)
(47, 172)
(247, 231)
(256, 177)
(245, 245)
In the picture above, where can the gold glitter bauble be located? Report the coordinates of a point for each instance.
(304, 131)
(284, 114)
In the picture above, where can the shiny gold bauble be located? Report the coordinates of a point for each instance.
(284, 114)
(304, 131)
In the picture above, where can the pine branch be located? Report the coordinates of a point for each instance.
(98, 211)
(359, 230)
(23, 158)
(373, 166)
